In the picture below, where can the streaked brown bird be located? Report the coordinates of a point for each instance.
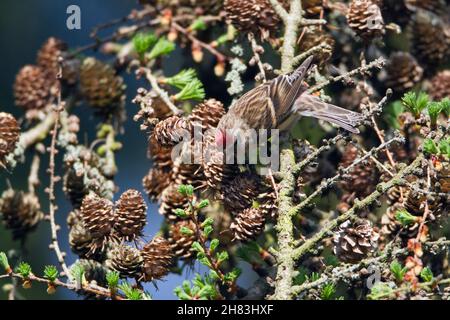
(279, 104)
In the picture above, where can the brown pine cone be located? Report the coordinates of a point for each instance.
(362, 179)
(364, 17)
(130, 215)
(440, 86)
(268, 204)
(161, 156)
(188, 174)
(216, 171)
(100, 85)
(126, 260)
(415, 204)
(181, 243)
(248, 224)
(252, 15)
(155, 182)
(158, 258)
(239, 193)
(207, 114)
(21, 212)
(32, 88)
(392, 227)
(48, 57)
(171, 200)
(403, 72)
(98, 218)
(430, 38)
(171, 131)
(9, 135)
(313, 37)
(79, 238)
(352, 243)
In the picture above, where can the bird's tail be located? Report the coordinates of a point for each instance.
(311, 106)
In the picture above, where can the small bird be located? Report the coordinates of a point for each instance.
(279, 104)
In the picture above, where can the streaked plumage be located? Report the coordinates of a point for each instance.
(279, 103)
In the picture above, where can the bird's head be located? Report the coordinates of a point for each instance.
(224, 137)
(228, 131)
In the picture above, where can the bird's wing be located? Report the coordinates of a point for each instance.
(285, 89)
(256, 108)
(269, 104)
(311, 106)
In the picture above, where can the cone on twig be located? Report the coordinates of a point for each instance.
(80, 239)
(171, 200)
(158, 258)
(362, 179)
(430, 38)
(171, 131)
(130, 215)
(181, 240)
(161, 156)
(100, 85)
(440, 86)
(248, 224)
(48, 60)
(364, 17)
(126, 260)
(155, 182)
(403, 72)
(98, 218)
(354, 242)
(20, 212)
(215, 169)
(9, 135)
(240, 193)
(207, 115)
(252, 15)
(32, 89)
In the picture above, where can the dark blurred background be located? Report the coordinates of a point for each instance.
(24, 26)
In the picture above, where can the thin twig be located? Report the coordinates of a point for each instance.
(90, 288)
(298, 168)
(220, 56)
(298, 59)
(331, 181)
(51, 189)
(162, 93)
(33, 178)
(378, 63)
(426, 211)
(256, 56)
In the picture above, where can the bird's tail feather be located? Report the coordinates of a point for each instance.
(311, 106)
